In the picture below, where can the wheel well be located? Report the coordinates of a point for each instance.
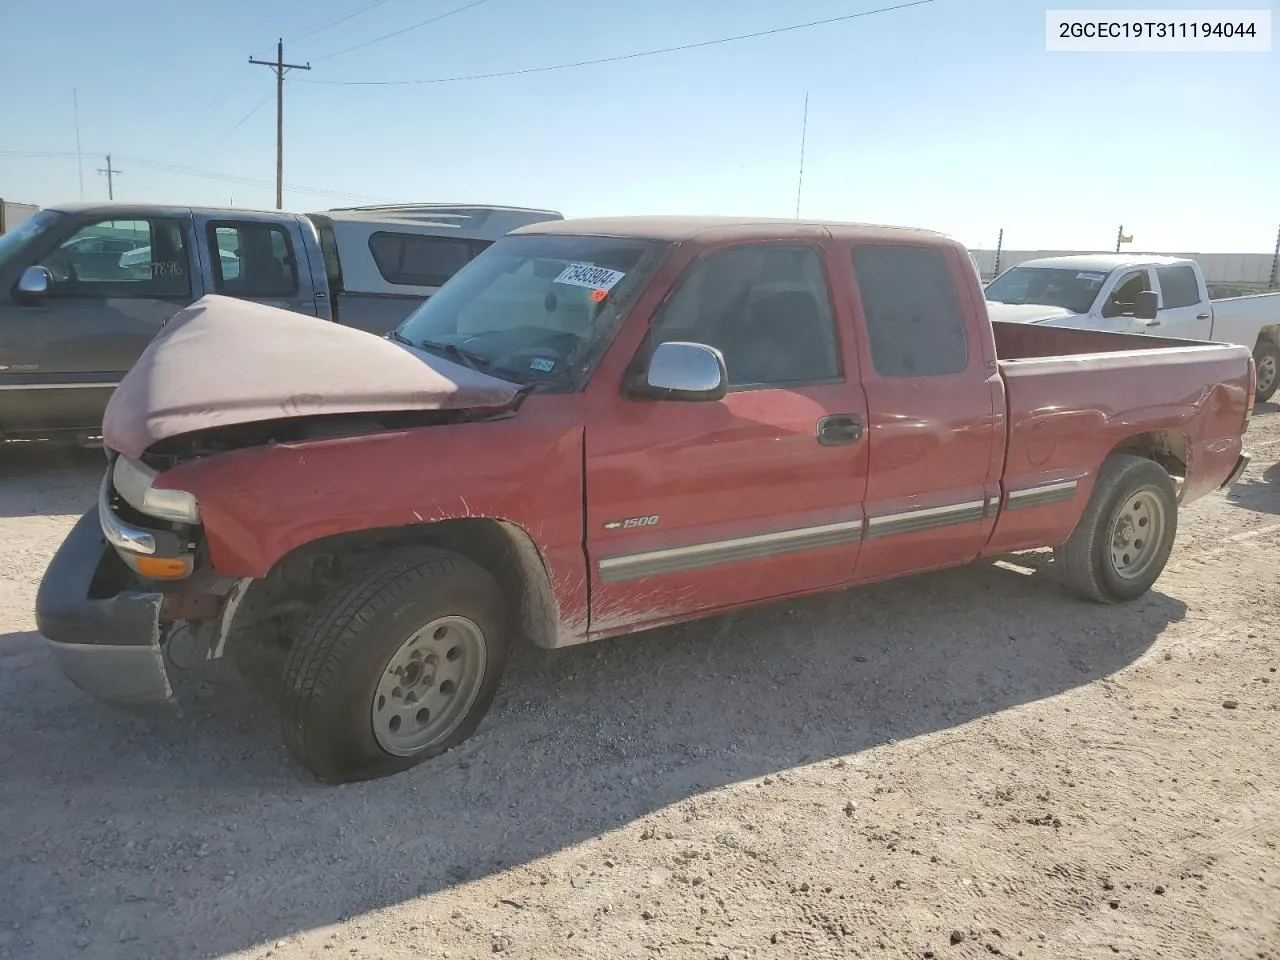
(1271, 333)
(1166, 447)
(274, 607)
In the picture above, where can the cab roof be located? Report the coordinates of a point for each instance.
(677, 229)
(1105, 262)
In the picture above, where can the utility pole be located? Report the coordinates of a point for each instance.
(111, 173)
(1121, 237)
(280, 68)
(999, 246)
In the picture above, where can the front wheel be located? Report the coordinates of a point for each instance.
(1122, 543)
(1266, 358)
(398, 665)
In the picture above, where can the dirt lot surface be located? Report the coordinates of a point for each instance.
(959, 765)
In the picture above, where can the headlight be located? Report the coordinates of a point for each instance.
(133, 481)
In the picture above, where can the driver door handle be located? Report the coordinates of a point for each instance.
(839, 428)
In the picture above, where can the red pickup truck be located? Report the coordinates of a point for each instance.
(598, 427)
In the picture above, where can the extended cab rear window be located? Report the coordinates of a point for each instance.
(1178, 286)
(252, 259)
(915, 324)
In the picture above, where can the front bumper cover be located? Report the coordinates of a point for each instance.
(106, 640)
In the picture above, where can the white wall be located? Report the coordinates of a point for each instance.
(15, 213)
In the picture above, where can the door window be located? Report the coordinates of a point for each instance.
(1178, 286)
(1123, 299)
(253, 260)
(765, 307)
(122, 259)
(915, 324)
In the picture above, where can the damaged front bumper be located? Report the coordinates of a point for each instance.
(104, 628)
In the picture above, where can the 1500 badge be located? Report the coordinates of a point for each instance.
(631, 522)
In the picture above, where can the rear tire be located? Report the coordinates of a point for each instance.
(1122, 543)
(1266, 358)
(397, 665)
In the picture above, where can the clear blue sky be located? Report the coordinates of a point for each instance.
(949, 115)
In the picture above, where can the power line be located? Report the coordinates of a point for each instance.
(239, 123)
(75, 103)
(333, 22)
(325, 24)
(186, 171)
(397, 33)
(625, 56)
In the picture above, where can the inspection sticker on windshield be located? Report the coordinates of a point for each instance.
(587, 275)
(543, 364)
(1096, 277)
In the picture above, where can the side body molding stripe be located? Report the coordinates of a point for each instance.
(694, 556)
(691, 557)
(1042, 495)
(925, 518)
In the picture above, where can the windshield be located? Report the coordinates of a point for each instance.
(534, 308)
(1073, 289)
(27, 230)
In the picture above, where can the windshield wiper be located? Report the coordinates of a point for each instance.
(473, 360)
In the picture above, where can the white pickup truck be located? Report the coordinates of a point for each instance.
(1129, 293)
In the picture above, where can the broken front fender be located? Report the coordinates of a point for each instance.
(103, 629)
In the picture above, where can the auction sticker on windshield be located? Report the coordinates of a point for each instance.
(1096, 277)
(587, 275)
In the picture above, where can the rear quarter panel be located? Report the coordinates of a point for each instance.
(1067, 414)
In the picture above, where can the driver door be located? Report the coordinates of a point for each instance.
(699, 505)
(1118, 305)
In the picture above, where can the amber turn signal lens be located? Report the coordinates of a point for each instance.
(162, 568)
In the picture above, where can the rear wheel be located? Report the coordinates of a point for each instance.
(1266, 357)
(1123, 541)
(398, 665)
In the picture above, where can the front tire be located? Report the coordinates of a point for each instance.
(1121, 545)
(398, 665)
(1266, 359)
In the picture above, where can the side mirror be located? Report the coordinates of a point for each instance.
(1146, 305)
(33, 286)
(683, 371)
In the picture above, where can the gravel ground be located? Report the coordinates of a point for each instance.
(962, 764)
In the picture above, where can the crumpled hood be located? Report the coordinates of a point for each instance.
(222, 361)
(1026, 312)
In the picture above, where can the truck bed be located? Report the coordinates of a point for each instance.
(1033, 341)
(1074, 395)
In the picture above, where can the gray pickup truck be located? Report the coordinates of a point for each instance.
(84, 288)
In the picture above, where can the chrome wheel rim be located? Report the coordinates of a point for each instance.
(428, 686)
(1266, 373)
(1136, 532)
